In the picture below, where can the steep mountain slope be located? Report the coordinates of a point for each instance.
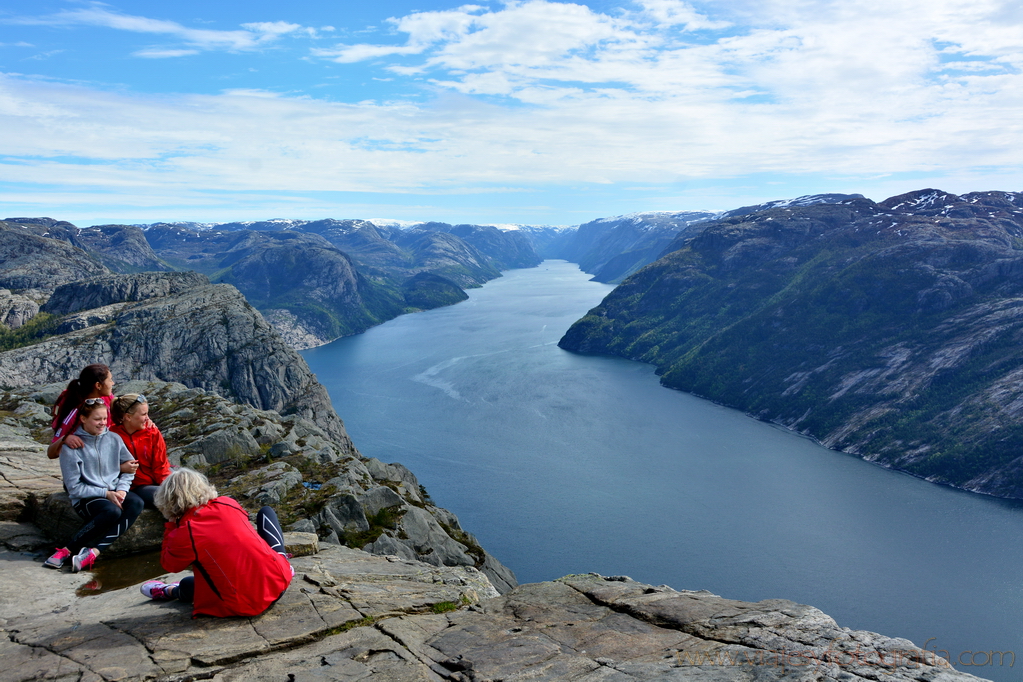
(174, 327)
(888, 330)
(31, 261)
(318, 280)
(613, 248)
(506, 249)
(304, 285)
(122, 248)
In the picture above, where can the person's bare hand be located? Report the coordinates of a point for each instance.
(130, 467)
(73, 442)
(116, 496)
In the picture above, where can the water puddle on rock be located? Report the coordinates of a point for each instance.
(121, 572)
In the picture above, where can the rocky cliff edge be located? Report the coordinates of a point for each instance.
(349, 615)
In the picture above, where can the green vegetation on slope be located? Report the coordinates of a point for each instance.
(890, 330)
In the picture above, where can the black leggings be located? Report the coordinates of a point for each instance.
(147, 492)
(104, 521)
(268, 527)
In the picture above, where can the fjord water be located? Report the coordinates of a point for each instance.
(562, 463)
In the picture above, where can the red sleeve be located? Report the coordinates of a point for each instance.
(177, 554)
(161, 467)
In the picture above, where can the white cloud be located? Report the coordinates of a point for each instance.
(253, 36)
(163, 53)
(540, 92)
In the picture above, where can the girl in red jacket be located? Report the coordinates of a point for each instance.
(239, 571)
(145, 442)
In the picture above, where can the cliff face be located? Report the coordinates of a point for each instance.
(304, 276)
(30, 261)
(886, 330)
(122, 248)
(312, 291)
(613, 248)
(97, 292)
(205, 336)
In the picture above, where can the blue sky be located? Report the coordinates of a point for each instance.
(519, 112)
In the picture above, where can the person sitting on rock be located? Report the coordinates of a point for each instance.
(95, 381)
(97, 487)
(143, 440)
(238, 570)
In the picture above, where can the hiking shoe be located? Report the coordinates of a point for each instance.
(58, 558)
(157, 589)
(84, 560)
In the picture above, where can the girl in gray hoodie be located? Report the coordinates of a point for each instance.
(97, 487)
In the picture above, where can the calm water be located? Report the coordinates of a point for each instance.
(561, 463)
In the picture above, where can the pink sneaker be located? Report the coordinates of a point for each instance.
(84, 560)
(157, 589)
(58, 558)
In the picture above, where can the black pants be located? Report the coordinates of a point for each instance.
(104, 521)
(147, 492)
(268, 527)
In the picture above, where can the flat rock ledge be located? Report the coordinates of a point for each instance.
(350, 615)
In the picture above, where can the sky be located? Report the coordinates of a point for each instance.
(532, 112)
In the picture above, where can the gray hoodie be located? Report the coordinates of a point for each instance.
(93, 469)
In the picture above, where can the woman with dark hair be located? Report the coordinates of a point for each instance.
(145, 442)
(239, 570)
(97, 487)
(95, 381)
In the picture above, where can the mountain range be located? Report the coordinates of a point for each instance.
(889, 330)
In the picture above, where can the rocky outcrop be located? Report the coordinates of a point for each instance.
(29, 261)
(17, 309)
(426, 291)
(315, 482)
(888, 330)
(304, 276)
(350, 615)
(102, 291)
(122, 248)
(205, 337)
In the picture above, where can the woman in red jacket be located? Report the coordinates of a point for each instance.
(145, 442)
(238, 571)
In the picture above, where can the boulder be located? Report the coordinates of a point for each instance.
(430, 542)
(301, 544)
(16, 309)
(379, 498)
(59, 521)
(343, 514)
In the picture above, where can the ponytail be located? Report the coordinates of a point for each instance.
(78, 390)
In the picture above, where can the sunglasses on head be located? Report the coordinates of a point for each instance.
(140, 399)
(92, 401)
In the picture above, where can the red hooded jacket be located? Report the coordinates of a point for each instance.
(236, 572)
(148, 447)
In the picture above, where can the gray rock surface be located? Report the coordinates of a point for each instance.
(350, 615)
(16, 309)
(122, 248)
(206, 337)
(28, 261)
(317, 482)
(58, 521)
(104, 290)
